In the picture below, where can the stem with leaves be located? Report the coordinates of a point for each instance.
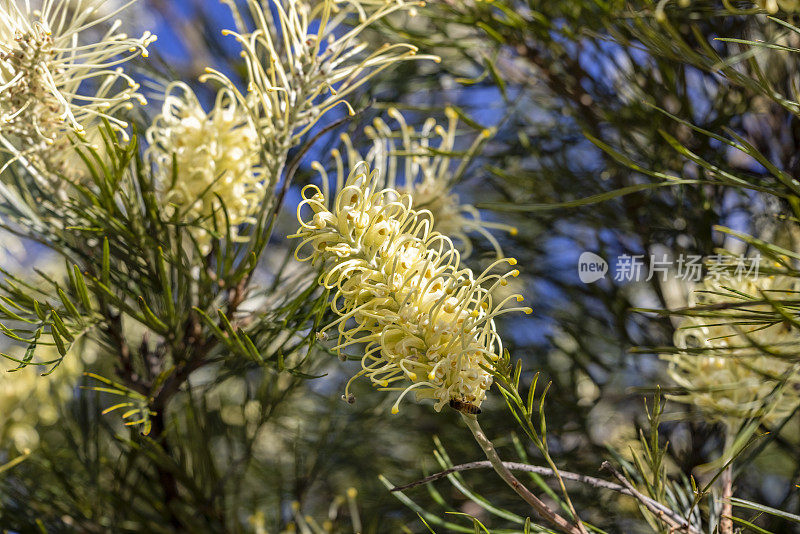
(507, 377)
(500, 468)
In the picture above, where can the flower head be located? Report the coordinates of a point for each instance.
(207, 163)
(302, 60)
(426, 165)
(53, 80)
(400, 289)
(731, 378)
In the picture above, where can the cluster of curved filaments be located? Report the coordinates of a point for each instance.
(730, 388)
(208, 164)
(296, 74)
(426, 165)
(731, 378)
(46, 70)
(399, 288)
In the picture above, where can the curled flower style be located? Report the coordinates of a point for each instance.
(724, 371)
(302, 61)
(400, 290)
(53, 80)
(415, 162)
(207, 163)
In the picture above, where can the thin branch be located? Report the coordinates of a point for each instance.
(544, 471)
(676, 523)
(726, 517)
(516, 466)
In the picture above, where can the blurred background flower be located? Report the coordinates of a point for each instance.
(207, 164)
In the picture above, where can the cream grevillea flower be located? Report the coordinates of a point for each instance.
(304, 58)
(53, 80)
(217, 155)
(400, 289)
(426, 165)
(732, 378)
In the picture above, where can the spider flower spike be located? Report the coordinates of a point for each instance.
(399, 288)
(207, 163)
(426, 165)
(305, 58)
(725, 371)
(54, 78)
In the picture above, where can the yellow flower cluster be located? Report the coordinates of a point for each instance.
(207, 163)
(46, 70)
(312, 63)
(400, 290)
(426, 165)
(29, 400)
(732, 379)
(303, 59)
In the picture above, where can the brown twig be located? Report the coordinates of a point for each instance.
(516, 466)
(726, 517)
(544, 471)
(676, 523)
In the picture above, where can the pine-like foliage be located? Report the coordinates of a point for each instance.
(170, 366)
